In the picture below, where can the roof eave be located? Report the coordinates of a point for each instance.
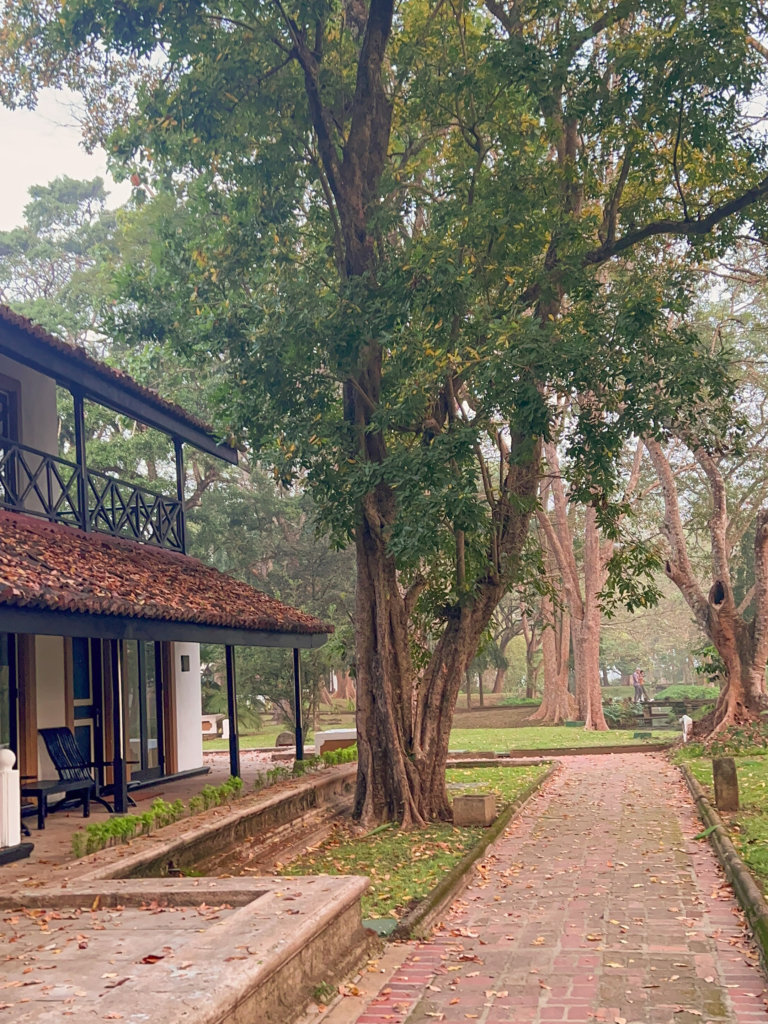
(75, 375)
(120, 627)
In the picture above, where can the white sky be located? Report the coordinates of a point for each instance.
(40, 145)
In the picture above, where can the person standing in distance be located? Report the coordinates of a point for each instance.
(638, 681)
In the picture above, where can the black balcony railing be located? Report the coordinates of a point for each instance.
(44, 485)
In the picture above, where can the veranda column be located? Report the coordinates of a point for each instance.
(297, 704)
(234, 738)
(119, 779)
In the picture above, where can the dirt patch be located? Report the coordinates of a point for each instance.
(493, 718)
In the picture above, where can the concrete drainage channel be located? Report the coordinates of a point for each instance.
(104, 941)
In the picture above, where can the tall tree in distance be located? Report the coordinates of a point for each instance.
(392, 234)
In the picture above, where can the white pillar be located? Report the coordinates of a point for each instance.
(10, 800)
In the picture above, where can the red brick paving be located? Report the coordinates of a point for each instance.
(596, 905)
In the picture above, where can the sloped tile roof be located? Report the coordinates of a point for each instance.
(109, 373)
(52, 567)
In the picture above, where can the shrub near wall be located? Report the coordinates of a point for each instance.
(121, 829)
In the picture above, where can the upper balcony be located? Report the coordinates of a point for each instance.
(40, 484)
(39, 478)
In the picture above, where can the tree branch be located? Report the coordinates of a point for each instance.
(682, 228)
(718, 523)
(678, 566)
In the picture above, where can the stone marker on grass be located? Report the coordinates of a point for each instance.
(479, 809)
(726, 783)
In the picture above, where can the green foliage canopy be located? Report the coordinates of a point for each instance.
(529, 144)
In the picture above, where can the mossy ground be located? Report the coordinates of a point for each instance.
(405, 866)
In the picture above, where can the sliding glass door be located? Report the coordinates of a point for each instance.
(144, 708)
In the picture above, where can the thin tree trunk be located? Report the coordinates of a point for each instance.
(498, 682)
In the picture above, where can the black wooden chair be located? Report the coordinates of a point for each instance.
(70, 764)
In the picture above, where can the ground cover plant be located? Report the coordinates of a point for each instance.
(404, 867)
(122, 828)
(680, 692)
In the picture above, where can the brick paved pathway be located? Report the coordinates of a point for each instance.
(596, 905)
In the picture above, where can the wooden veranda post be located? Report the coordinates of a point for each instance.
(234, 739)
(119, 780)
(297, 704)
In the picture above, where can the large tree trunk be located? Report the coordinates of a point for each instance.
(404, 720)
(345, 686)
(581, 594)
(586, 657)
(742, 644)
(532, 642)
(557, 704)
(586, 645)
(742, 696)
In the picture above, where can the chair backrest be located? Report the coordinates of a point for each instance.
(65, 754)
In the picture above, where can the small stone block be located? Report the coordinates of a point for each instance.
(479, 809)
(726, 783)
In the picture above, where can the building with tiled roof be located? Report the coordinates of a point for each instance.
(101, 609)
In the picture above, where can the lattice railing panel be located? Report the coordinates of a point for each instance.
(45, 485)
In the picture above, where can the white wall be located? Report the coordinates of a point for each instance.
(37, 406)
(51, 710)
(189, 707)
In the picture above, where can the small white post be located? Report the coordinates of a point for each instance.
(225, 729)
(10, 800)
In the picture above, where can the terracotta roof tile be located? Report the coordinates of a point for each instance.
(59, 568)
(109, 373)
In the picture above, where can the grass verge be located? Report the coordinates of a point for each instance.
(546, 737)
(748, 827)
(404, 867)
(541, 737)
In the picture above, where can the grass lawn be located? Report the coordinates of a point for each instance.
(257, 740)
(545, 737)
(540, 737)
(404, 867)
(748, 827)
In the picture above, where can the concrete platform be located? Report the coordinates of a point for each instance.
(207, 951)
(82, 940)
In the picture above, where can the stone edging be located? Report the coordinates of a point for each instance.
(747, 891)
(418, 921)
